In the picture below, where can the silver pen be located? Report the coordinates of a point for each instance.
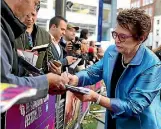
(67, 71)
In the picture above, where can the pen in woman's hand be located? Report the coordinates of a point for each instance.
(67, 71)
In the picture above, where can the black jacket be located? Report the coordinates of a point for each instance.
(56, 56)
(13, 28)
(40, 37)
(63, 45)
(158, 53)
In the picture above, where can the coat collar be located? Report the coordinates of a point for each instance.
(137, 58)
(16, 25)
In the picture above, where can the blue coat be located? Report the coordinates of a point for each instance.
(137, 103)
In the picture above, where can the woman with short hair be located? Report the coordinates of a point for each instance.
(131, 73)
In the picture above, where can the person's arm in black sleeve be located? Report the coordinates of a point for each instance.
(39, 82)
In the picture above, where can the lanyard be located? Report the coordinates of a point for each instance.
(30, 40)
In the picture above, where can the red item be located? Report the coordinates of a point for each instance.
(90, 50)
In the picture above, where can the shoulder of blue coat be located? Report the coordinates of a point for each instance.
(111, 50)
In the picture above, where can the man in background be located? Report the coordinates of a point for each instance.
(37, 36)
(69, 37)
(57, 29)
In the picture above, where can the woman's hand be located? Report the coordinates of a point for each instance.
(93, 96)
(73, 79)
(57, 83)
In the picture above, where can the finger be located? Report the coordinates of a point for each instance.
(53, 65)
(65, 77)
(74, 61)
(52, 70)
(74, 58)
(69, 45)
(70, 49)
(64, 74)
(62, 86)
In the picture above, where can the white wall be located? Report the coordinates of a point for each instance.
(149, 41)
(157, 27)
(49, 12)
(86, 2)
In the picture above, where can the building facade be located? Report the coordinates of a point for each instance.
(149, 7)
(83, 13)
(109, 18)
(157, 25)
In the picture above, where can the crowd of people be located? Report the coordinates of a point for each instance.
(130, 70)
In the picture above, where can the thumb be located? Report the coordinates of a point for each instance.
(69, 76)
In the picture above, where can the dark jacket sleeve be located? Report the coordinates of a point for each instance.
(64, 62)
(39, 82)
(158, 53)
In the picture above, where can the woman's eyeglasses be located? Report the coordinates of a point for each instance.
(121, 37)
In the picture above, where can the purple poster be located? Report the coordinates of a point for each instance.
(33, 115)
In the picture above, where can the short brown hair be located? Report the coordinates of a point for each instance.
(136, 21)
(56, 21)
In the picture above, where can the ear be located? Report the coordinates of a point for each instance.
(53, 26)
(143, 38)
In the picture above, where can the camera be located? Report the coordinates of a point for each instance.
(76, 44)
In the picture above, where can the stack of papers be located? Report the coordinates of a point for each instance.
(80, 90)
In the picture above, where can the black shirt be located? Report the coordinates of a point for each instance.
(117, 72)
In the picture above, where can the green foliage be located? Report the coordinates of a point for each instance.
(89, 122)
(95, 107)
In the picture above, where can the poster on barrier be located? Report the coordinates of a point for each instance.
(39, 114)
(11, 93)
(95, 87)
(85, 104)
(72, 108)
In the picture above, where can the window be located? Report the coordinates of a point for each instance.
(147, 2)
(41, 23)
(43, 3)
(147, 11)
(158, 22)
(151, 1)
(54, 4)
(75, 8)
(134, 4)
(150, 12)
(157, 32)
(92, 10)
(107, 1)
(144, 2)
(157, 44)
(138, 4)
(80, 8)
